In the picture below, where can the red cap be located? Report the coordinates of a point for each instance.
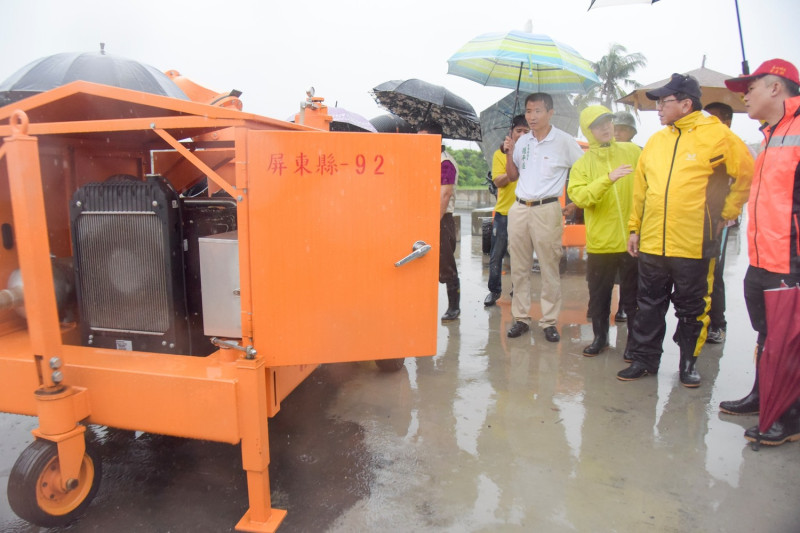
(777, 67)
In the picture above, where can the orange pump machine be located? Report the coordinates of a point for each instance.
(139, 299)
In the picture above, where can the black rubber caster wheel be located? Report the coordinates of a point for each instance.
(34, 485)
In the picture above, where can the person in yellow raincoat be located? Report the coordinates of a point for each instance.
(692, 177)
(601, 182)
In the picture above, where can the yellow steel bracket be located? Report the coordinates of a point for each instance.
(252, 413)
(207, 170)
(71, 449)
(59, 414)
(59, 407)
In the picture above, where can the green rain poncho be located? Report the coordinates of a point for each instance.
(606, 205)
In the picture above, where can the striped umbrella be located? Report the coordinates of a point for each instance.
(525, 62)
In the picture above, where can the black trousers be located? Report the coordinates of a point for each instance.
(684, 282)
(448, 273)
(717, 311)
(498, 252)
(756, 281)
(601, 271)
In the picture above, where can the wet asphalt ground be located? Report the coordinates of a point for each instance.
(491, 434)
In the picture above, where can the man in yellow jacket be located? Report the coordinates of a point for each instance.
(601, 182)
(505, 199)
(681, 201)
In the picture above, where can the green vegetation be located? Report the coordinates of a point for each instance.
(472, 168)
(615, 71)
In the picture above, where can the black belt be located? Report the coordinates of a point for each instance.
(531, 203)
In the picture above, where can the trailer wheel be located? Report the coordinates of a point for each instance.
(390, 365)
(34, 490)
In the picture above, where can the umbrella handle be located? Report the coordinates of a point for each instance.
(427, 113)
(516, 94)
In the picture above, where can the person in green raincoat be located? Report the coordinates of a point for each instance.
(601, 182)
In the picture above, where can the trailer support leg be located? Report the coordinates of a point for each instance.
(252, 382)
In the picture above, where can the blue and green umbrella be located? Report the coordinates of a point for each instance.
(526, 62)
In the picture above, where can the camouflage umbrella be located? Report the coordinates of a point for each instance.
(416, 101)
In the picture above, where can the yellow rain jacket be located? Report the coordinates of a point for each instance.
(606, 205)
(683, 189)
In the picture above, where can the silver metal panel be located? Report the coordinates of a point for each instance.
(219, 278)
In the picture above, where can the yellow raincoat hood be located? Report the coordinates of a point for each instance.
(589, 115)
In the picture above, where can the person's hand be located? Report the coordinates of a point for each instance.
(619, 172)
(633, 245)
(508, 145)
(720, 226)
(569, 210)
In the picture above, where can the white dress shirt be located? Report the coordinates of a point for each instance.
(544, 165)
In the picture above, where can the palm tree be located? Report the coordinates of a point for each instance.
(615, 70)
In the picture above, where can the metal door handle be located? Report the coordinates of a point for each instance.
(420, 248)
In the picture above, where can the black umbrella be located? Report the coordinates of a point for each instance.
(344, 120)
(98, 67)
(416, 101)
(496, 120)
(389, 123)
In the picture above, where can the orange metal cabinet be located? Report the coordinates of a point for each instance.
(330, 215)
(322, 220)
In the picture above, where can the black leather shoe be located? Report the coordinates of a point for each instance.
(626, 356)
(598, 345)
(748, 405)
(715, 335)
(491, 299)
(689, 376)
(777, 434)
(450, 315)
(518, 329)
(620, 316)
(551, 334)
(636, 371)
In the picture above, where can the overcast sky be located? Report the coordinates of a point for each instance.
(274, 51)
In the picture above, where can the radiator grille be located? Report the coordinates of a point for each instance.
(122, 274)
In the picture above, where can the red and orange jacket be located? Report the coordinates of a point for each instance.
(773, 230)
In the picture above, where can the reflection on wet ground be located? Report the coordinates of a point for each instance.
(490, 434)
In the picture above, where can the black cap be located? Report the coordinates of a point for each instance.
(679, 83)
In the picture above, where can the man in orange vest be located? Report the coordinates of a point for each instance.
(772, 96)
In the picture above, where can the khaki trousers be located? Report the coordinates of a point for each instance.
(537, 228)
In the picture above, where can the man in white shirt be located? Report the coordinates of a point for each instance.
(539, 161)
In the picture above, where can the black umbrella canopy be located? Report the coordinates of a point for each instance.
(389, 123)
(97, 67)
(496, 120)
(416, 101)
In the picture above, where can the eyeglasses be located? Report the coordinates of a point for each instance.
(661, 101)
